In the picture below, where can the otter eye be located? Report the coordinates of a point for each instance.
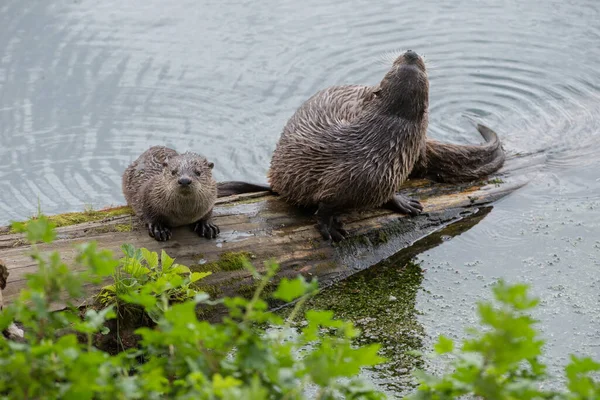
(198, 172)
(173, 172)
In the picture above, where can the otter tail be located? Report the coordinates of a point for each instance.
(445, 162)
(230, 188)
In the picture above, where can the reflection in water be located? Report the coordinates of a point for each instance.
(381, 302)
(85, 87)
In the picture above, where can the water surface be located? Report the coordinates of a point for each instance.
(85, 87)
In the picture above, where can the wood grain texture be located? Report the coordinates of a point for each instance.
(268, 228)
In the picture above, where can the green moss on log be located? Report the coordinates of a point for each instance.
(89, 215)
(228, 261)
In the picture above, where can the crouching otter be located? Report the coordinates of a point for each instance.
(340, 155)
(166, 189)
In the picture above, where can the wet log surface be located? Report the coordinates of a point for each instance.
(264, 227)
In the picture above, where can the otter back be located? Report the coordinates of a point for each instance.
(354, 155)
(338, 154)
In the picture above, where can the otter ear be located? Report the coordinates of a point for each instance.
(211, 165)
(376, 90)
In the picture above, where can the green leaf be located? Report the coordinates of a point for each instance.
(581, 365)
(316, 320)
(366, 356)
(179, 269)
(289, 290)
(578, 380)
(220, 384)
(6, 318)
(196, 276)
(165, 260)
(94, 320)
(272, 267)
(100, 262)
(145, 300)
(151, 257)
(250, 268)
(109, 288)
(134, 268)
(128, 250)
(444, 345)
(40, 229)
(250, 353)
(514, 295)
(323, 318)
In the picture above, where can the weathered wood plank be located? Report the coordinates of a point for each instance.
(266, 227)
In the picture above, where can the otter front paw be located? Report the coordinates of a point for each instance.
(405, 205)
(207, 229)
(159, 232)
(331, 228)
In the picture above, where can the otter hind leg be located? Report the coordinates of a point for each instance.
(404, 205)
(158, 231)
(204, 227)
(329, 224)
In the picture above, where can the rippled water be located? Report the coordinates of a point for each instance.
(86, 86)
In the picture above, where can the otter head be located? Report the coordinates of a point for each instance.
(188, 173)
(404, 91)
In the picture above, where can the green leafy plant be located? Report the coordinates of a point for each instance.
(251, 353)
(141, 281)
(502, 360)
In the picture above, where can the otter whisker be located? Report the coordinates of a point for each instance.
(168, 193)
(388, 57)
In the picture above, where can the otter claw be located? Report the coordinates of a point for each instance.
(339, 228)
(206, 229)
(331, 228)
(405, 205)
(337, 235)
(159, 232)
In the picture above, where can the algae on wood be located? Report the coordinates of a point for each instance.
(264, 227)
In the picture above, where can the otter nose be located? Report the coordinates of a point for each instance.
(184, 181)
(411, 55)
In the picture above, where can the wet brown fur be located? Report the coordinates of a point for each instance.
(441, 162)
(151, 187)
(446, 162)
(354, 154)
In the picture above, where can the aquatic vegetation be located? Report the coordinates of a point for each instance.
(88, 215)
(251, 354)
(228, 261)
(502, 360)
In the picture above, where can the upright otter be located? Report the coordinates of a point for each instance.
(440, 162)
(348, 155)
(167, 189)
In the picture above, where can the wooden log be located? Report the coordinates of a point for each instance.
(262, 227)
(12, 332)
